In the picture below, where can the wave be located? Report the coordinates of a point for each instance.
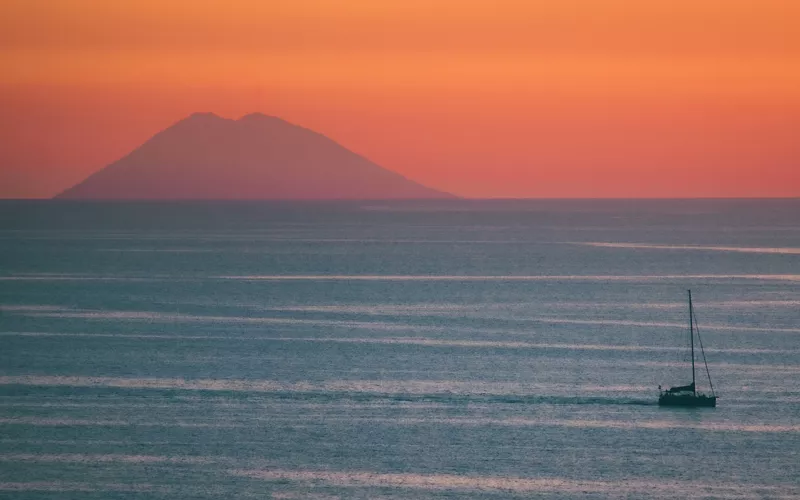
(737, 367)
(389, 391)
(713, 248)
(381, 392)
(421, 278)
(167, 250)
(521, 399)
(567, 277)
(68, 313)
(321, 397)
(436, 482)
(444, 392)
(88, 422)
(416, 341)
(65, 313)
(519, 485)
(383, 387)
(104, 458)
(707, 426)
(82, 277)
(661, 324)
(443, 309)
(32, 308)
(73, 486)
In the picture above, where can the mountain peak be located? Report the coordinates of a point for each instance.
(205, 156)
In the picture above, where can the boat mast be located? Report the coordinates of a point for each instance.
(691, 337)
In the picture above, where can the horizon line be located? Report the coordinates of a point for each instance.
(454, 198)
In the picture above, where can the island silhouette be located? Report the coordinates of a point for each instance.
(257, 157)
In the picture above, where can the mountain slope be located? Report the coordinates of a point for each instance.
(255, 157)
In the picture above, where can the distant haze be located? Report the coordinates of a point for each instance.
(255, 157)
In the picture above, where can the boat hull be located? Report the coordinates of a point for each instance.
(688, 400)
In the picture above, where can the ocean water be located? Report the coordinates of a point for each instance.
(462, 349)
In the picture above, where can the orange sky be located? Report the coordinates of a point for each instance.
(568, 98)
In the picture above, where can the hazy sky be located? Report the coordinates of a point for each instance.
(566, 98)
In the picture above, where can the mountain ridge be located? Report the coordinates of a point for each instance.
(257, 156)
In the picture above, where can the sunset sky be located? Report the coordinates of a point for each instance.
(557, 98)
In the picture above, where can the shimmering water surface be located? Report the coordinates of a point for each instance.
(492, 349)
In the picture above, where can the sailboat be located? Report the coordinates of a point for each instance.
(687, 395)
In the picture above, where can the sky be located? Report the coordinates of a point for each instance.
(503, 98)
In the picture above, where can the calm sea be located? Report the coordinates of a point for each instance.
(486, 349)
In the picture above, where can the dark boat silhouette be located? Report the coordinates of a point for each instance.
(687, 395)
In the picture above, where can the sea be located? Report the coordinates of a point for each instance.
(461, 349)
